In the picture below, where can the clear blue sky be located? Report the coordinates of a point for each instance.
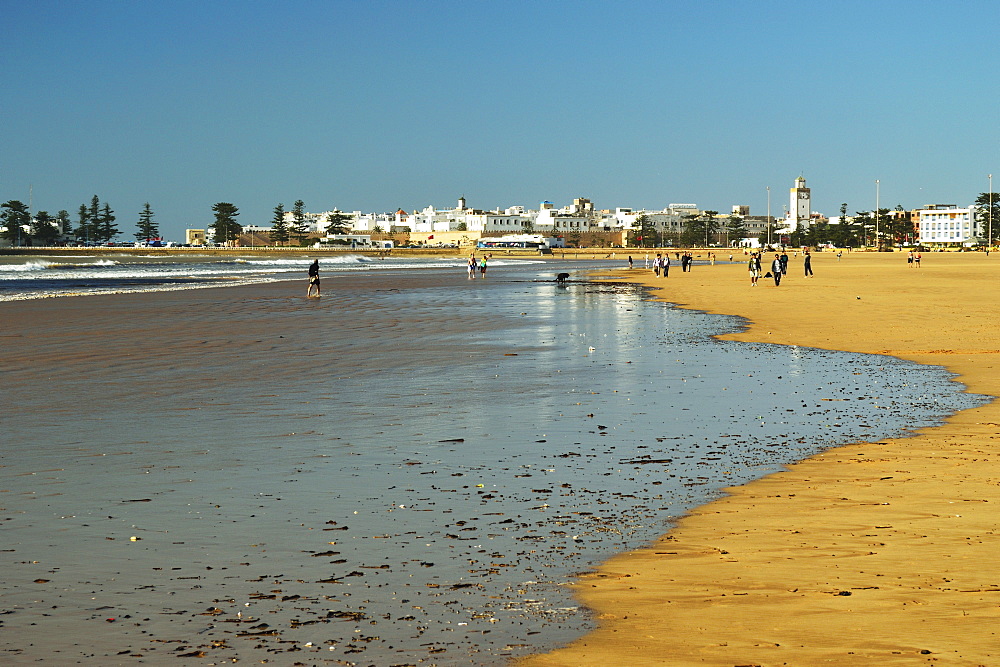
(376, 106)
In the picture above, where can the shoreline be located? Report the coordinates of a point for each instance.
(867, 552)
(276, 251)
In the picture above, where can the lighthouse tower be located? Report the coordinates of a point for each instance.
(800, 204)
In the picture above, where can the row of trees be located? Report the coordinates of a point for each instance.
(225, 228)
(702, 229)
(282, 231)
(95, 224)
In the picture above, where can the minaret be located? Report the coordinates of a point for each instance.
(800, 203)
(461, 203)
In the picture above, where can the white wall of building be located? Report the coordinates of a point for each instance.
(947, 225)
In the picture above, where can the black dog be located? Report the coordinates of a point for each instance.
(562, 277)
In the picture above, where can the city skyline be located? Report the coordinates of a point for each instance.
(381, 106)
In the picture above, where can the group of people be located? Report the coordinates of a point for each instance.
(779, 267)
(686, 260)
(913, 259)
(661, 263)
(480, 264)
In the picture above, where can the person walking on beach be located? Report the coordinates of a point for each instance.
(472, 266)
(916, 260)
(665, 264)
(807, 264)
(776, 269)
(630, 261)
(482, 267)
(656, 265)
(784, 262)
(909, 260)
(313, 278)
(754, 266)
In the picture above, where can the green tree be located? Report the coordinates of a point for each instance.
(692, 230)
(734, 229)
(817, 234)
(842, 234)
(147, 227)
(768, 236)
(225, 228)
(337, 222)
(643, 232)
(864, 223)
(882, 226)
(896, 226)
(62, 220)
(711, 228)
(106, 227)
(279, 228)
(699, 229)
(44, 228)
(82, 231)
(300, 228)
(16, 221)
(988, 215)
(94, 218)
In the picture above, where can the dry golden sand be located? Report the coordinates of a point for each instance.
(877, 553)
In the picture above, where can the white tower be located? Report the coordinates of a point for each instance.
(800, 204)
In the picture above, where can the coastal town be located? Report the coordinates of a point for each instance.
(580, 224)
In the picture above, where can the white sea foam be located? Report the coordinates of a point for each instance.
(38, 277)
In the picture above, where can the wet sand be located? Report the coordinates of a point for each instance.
(874, 553)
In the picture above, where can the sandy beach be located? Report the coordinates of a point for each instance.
(241, 473)
(873, 553)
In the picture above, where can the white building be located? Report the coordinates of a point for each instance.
(668, 221)
(368, 222)
(512, 220)
(553, 222)
(947, 225)
(799, 207)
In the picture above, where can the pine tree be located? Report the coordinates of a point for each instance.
(299, 227)
(148, 228)
(107, 229)
(82, 231)
(988, 214)
(279, 228)
(62, 219)
(225, 228)
(94, 220)
(337, 222)
(44, 229)
(15, 217)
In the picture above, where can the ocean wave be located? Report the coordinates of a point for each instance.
(347, 260)
(39, 265)
(27, 266)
